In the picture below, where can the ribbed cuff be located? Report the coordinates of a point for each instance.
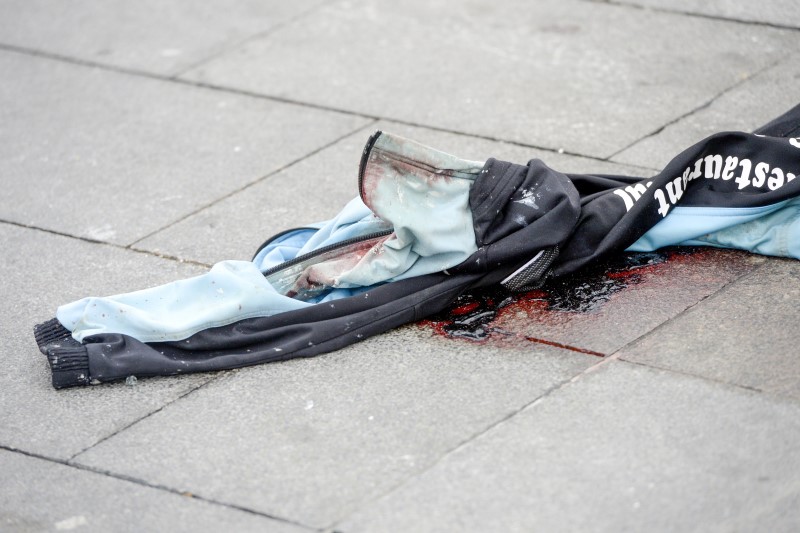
(50, 332)
(69, 364)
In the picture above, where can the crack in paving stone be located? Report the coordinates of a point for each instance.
(708, 16)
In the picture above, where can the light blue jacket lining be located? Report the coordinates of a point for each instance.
(432, 231)
(768, 230)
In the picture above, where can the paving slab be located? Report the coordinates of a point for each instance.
(778, 12)
(598, 310)
(554, 73)
(40, 272)
(311, 440)
(318, 187)
(158, 37)
(40, 495)
(745, 335)
(114, 157)
(745, 108)
(624, 448)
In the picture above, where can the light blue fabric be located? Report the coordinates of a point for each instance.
(768, 230)
(776, 234)
(354, 220)
(427, 206)
(230, 291)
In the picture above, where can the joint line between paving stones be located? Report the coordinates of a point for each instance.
(690, 375)
(148, 415)
(185, 494)
(618, 354)
(105, 243)
(155, 486)
(698, 108)
(721, 18)
(225, 49)
(290, 101)
(252, 183)
(321, 107)
(549, 391)
(180, 81)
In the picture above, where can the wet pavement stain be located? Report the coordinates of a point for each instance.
(483, 315)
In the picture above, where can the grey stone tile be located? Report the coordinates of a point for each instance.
(39, 495)
(40, 272)
(745, 108)
(624, 448)
(589, 78)
(152, 36)
(311, 440)
(114, 157)
(318, 187)
(745, 335)
(778, 12)
(603, 309)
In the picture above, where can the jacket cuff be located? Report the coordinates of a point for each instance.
(50, 332)
(69, 365)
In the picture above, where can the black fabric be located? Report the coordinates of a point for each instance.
(518, 210)
(69, 364)
(50, 332)
(786, 125)
(606, 227)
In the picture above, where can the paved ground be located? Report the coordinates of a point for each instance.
(142, 141)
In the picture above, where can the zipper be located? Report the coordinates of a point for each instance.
(278, 236)
(453, 173)
(363, 165)
(327, 249)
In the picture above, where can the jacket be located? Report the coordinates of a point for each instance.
(426, 227)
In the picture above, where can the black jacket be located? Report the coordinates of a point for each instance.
(581, 218)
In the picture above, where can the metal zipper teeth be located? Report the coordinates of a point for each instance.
(364, 156)
(326, 249)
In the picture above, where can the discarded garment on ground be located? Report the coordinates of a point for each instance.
(426, 227)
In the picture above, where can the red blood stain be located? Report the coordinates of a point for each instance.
(474, 315)
(464, 309)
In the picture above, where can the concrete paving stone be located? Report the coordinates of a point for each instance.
(158, 37)
(40, 272)
(777, 12)
(745, 108)
(114, 157)
(600, 310)
(318, 187)
(624, 448)
(311, 440)
(745, 335)
(553, 73)
(39, 495)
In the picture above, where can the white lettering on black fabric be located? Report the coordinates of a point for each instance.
(714, 166)
(632, 193)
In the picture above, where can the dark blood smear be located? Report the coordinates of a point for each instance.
(472, 314)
